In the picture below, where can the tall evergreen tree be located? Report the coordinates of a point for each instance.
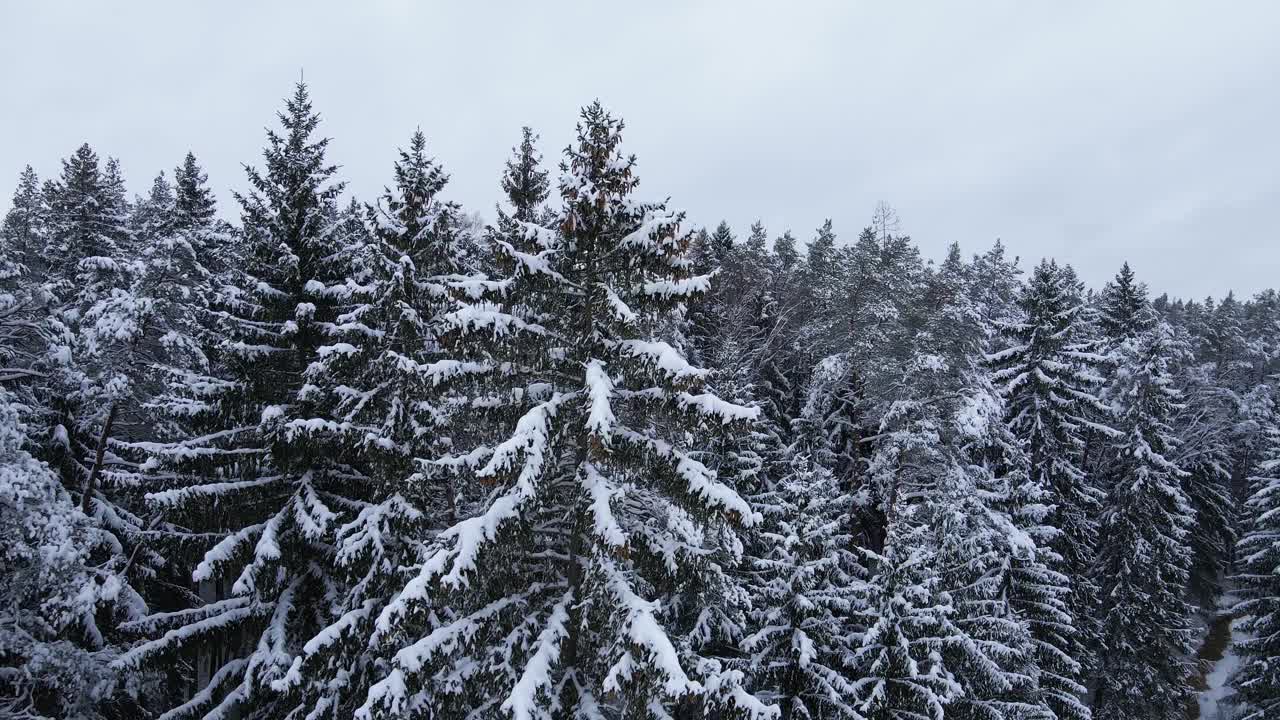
(55, 655)
(1256, 684)
(561, 589)
(194, 205)
(1048, 380)
(898, 665)
(1125, 310)
(811, 581)
(1144, 559)
(21, 240)
(242, 474)
(378, 395)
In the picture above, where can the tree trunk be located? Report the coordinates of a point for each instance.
(99, 452)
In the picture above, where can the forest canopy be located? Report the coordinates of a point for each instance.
(380, 459)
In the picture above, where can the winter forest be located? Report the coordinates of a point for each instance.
(383, 458)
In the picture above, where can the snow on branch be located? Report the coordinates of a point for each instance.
(663, 357)
(454, 557)
(224, 551)
(522, 702)
(710, 405)
(667, 289)
(700, 480)
(602, 494)
(644, 632)
(600, 417)
(181, 496)
(487, 316)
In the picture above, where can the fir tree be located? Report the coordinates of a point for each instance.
(1144, 560)
(1125, 310)
(242, 474)
(194, 206)
(785, 253)
(560, 589)
(55, 655)
(377, 394)
(899, 671)
(1047, 378)
(21, 240)
(1256, 684)
(811, 581)
(22, 300)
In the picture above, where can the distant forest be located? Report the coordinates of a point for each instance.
(384, 460)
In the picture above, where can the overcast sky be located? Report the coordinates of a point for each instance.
(1091, 132)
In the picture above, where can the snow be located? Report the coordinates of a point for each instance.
(522, 702)
(712, 405)
(663, 357)
(668, 289)
(1212, 700)
(600, 417)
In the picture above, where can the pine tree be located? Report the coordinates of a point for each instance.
(1144, 560)
(243, 473)
(1047, 378)
(933, 453)
(1125, 310)
(22, 300)
(21, 241)
(899, 671)
(987, 543)
(1008, 597)
(810, 581)
(378, 393)
(563, 589)
(55, 658)
(1256, 683)
(709, 328)
(1205, 424)
(93, 373)
(194, 205)
(785, 253)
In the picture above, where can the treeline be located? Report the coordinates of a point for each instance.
(379, 461)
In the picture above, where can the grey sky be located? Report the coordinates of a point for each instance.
(1092, 132)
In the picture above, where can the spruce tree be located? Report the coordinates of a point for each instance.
(1048, 379)
(593, 518)
(810, 583)
(194, 205)
(378, 395)
(1256, 684)
(21, 240)
(241, 473)
(1144, 559)
(55, 653)
(1125, 309)
(22, 299)
(785, 253)
(898, 665)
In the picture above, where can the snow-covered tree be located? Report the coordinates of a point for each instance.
(1143, 558)
(810, 583)
(898, 666)
(21, 234)
(1048, 379)
(23, 315)
(560, 595)
(241, 480)
(378, 394)
(57, 598)
(1256, 683)
(1125, 311)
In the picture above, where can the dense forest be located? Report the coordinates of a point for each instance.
(378, 460)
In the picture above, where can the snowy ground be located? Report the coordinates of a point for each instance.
(1212, 698)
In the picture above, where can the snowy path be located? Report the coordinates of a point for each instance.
(1217, 661)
